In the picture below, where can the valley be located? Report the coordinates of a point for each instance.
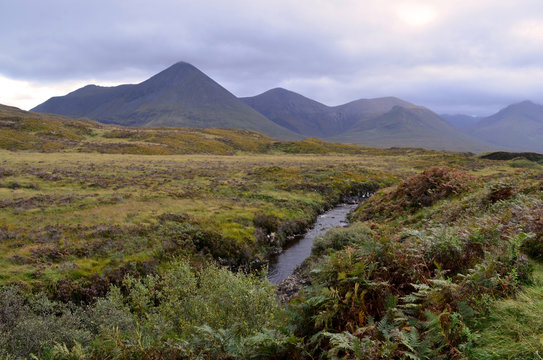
(143, 242)
(271, 180)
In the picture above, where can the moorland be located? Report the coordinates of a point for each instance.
(151, 243)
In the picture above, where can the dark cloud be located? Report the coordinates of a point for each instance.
(460, 56)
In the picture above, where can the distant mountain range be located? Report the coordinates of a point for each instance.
(183, 96)
(382, 122)
(518, 127)
(180, 96)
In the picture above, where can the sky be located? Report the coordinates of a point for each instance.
(452, 56)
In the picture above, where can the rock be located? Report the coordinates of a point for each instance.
(289, 287)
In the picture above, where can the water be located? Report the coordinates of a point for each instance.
(285, 263)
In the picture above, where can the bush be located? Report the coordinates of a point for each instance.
(533, 245)
(522, 163)
(427, 188)
(418, 191)
(30, 324)
(500, 191)
(267, 222)
(184, 312)
(337, 238)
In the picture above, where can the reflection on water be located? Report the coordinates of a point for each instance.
(285, 263)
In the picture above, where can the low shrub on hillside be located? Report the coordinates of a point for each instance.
(338, 238)
(421, 288)
(418, 191)
(533, 245)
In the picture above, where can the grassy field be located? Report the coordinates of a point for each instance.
(54, 205)
(128, 243)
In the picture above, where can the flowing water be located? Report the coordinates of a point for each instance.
(285, 263)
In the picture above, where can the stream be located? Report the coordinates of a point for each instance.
(293, 255)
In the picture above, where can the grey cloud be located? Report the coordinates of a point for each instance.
(332, 51)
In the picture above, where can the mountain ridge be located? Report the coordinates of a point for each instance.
(517, 127)
(180, 96)
(183, 96)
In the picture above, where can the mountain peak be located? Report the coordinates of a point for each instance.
(180, 71)
(525, 107)
(180, 95)
(517, 127)
(181, 66)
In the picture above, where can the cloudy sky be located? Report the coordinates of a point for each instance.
(453, 56)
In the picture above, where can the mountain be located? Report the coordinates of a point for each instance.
(381, 122)
(39, 132)
(293, 111)
(311, 118)
(180, 96)
(461, 121)
(183, 96)
(411, 127)
(518, 127)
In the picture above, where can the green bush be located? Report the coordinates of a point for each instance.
(185, 313)
(522, 163)
(30, 324)
(337, 238)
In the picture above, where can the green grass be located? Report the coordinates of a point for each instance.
(513, 328)
(84, 206)
(56, 201)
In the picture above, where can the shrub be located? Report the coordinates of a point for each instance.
(500, 191)
(337, 238)
(416, 192)
(533, 245)
(428, 187)
(30, 324)
(522, 163)
(185, 313)
(267, 222)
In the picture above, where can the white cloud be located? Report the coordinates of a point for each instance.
(416, 14)
(27, 94)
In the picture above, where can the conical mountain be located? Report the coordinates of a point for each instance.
(518, 127)
(180, 96)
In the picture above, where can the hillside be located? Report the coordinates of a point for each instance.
(518, 127)
(180, 96)
(294, 112)
(127, 256)
(23, 130)
(461, 121)
(410, 127)
(311, 118)
(380, 122)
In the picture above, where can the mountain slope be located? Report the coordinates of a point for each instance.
(311, 118)
(293, 111)
(37, 132)
(461, 121)
(411, 127)
(381, 122)
(518, 127)
(180, 96)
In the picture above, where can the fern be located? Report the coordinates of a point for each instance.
(347, 343)
(62, 352)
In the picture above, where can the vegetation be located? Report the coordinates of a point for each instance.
(108, 255)
(430, 281)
